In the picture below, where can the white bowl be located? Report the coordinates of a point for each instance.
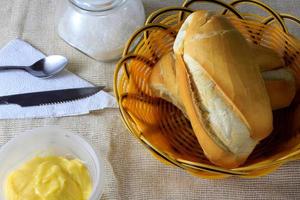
(51, 141)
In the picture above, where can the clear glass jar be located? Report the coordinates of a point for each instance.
(99, 28)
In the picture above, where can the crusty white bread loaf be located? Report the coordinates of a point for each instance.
(163, 80)
(281, 87)
(266, 58)
(279, 81)
(221, 88)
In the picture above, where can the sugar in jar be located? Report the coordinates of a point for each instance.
(99, 28)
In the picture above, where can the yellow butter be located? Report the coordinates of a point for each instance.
(49, 178)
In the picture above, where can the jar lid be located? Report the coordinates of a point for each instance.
(96, 5)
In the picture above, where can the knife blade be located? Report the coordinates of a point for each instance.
(49, 97)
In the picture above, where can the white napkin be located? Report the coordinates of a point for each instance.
(18, 52)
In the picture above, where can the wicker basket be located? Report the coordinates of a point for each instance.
(164, 130)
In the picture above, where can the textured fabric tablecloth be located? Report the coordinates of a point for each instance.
(131, 172)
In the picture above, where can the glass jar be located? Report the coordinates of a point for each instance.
(99, 28)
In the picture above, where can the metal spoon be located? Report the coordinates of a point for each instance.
(43, 68)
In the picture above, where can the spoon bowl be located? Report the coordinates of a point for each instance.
(43, 68)
(47, 66)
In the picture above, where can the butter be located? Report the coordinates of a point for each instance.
(49, 178)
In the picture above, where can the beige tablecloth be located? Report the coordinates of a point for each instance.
(131, 172)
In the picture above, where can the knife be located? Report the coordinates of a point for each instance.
(49, 97)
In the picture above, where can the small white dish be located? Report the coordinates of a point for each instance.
(51, 141)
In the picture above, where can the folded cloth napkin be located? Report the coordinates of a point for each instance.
(18, 52)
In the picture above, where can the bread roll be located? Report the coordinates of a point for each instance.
(281, 87)
(280, 83)
(221, 88)
(266, 58)
(163, 80)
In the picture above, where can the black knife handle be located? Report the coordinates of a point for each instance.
(3, 101)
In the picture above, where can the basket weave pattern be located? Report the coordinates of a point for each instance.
(163, 128)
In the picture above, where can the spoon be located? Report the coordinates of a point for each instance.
(43, 68)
